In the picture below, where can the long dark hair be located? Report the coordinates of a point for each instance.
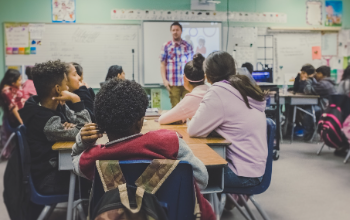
(78, 68)
(194, 70)
(10, 77)
(346, 74)
(220, 65)
(114, 71)
(29, 72)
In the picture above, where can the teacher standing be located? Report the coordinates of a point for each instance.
(174, 55)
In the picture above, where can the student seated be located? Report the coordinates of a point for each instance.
(249, 67)
(235, 109)
(28, 85)
(300, 80)
(77, 86)
(114, 71)
(344, 85)
(120, 108)
(48, 120)
(194, 83)
(318, 84)
(12, 99)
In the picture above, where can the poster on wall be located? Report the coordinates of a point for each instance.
(63, 11)
(334, 13)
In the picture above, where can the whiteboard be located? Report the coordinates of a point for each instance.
(94, 47)
(156, 34)
(293, 50)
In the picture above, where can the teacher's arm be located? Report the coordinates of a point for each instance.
(163, 73)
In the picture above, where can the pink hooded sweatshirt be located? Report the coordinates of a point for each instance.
(223, 110)
(186, 108)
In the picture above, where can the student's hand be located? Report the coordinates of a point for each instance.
(68, 126)
(303, 77)
(166, 84)
(82, 83)
(90, 133)
(67, 96)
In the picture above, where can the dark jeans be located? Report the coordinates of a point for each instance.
(231, 180)
(308, 121)
(57, 182)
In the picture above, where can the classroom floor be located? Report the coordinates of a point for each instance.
(304, 187)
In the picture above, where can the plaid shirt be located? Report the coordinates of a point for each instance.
(176, 55)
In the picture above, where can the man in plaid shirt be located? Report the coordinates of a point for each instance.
(174, 55)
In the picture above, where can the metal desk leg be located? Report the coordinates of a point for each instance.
(315, 125)
(293, 124)
(71, 195)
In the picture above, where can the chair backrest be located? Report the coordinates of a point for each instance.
(35, 197)
(177, 192)
(265, 183)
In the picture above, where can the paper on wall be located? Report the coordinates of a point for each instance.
(329, 44)
(17, 36)
(36, 31)
(314, 13)
(245, 54)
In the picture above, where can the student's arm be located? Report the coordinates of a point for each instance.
(296, 83)
(54, 130)
(309, 89)
(85, 139)
(208, 117)
(200, 172)
(180, 112)
(16, 114)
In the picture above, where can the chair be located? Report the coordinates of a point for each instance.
(176, 194)
(264, 185)
(49, 201)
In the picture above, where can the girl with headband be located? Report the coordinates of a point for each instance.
(193, 82)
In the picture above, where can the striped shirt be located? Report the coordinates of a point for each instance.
(176, 55)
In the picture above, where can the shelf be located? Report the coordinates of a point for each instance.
(321, 28)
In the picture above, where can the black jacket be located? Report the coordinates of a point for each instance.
(87, 96)
(44, 128)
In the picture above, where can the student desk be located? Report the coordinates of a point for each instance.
(296, 100)
(214, 161)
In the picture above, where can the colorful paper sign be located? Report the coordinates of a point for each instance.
(8, 50)
(63, 11)
(27, 50)
(15, 50)
(316, 53)
(21, 50)
(334, 13)
(33, 50)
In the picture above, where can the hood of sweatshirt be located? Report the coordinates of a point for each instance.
(199, 91)
(328, 79)
(253, 103)
(32, 109)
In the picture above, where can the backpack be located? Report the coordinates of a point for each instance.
(123, 201)
(330, 127)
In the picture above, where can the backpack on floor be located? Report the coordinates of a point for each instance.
(330, 127)
(122, 201)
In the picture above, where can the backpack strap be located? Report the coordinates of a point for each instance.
(110, 173)
(155, 174)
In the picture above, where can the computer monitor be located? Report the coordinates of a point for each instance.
(263, 76)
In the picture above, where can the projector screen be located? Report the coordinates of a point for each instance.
(205, 37)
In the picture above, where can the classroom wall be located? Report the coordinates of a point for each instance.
(92, 11)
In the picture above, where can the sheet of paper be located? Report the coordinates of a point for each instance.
(17, 36)
(245, 54)
(316, 53)
(314, 13)
(330, 44)
(36, 31)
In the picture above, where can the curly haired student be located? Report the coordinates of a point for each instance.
(120, 108)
